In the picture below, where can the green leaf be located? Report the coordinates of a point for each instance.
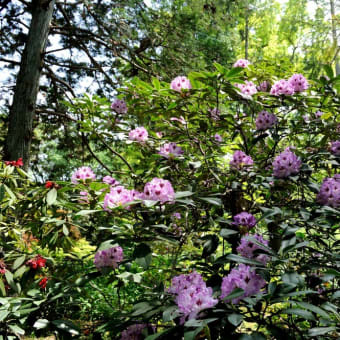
(2, 287)
(180, 194)
(235, 71)
(10, 281)
(300, 312)
(210, 245)
(235, 319)
(143, 255)
(314, 309)
(18, 262)
(141, 308)
(192, 334)
(156, 84)
(51, 196)
(225, 233)
(320, 330)
(85, 212)
(41, 323)
(170, 313)
(237, 292)
(20, 271)
(67, 326)
(2, 192)
(329, 71)
(16, 329)
(3, 315)
(212, 200)
(240, 259)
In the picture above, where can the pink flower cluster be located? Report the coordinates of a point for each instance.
(247, 248)
(192, 294)
(139, 134)
(215, 113)
(170, 150)
(335, 148)
(265, 120)
(296, 83)
(286, 164)
(119, 196)
(329, 193)
(245, 219)
(243, 277)
(159, 190)
(282, 87)
(82, 174)
(110, 180)
(239, 160)
(119, 106)
(247, 88)
(133, 332)
(241, 63)
(108, 257)
(180, 83)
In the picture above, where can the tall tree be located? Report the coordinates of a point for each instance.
(18, 141)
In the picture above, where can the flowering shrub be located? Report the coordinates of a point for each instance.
(139, 134)
(180, 83)
(217, 243)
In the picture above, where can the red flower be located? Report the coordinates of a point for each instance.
(37, 262)
(17, 163)
(43, 283)
(49, 184)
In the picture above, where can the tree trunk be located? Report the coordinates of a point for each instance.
(246, 35)
(335, 38)
(20, 129)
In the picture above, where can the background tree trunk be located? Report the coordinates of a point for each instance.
(335, 38)
(20, 129)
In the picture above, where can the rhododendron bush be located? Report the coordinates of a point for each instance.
(210, 210)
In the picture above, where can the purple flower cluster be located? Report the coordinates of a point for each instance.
(170, 150)
(192, 294)
(282, 87)
(240, 159)
(335, 148)
(329, 193)
(218, 138)
(247, 88)
(159, 190)
(82, 174)
(243, 277)
(215, 113)
(286, 164)
(139, 134)
(134, 332)
(110, 180)
(108, 257)
(119, 106)
(265, 120)
(298, 82)
(241, 63)
(244, 219)
(318, 114)
(180, 83)
(247, 248)
(118, 196)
